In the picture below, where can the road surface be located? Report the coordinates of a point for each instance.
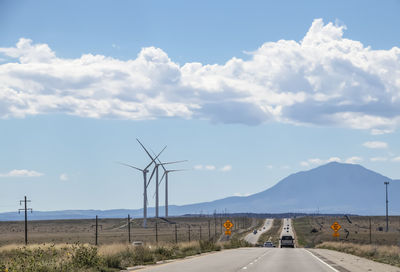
(249, 259)
(253, 238)
(287, 228)
(273, 260)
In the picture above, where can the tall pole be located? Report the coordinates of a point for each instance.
(209, 230)
(25, 209)
(189, 232)
(129, 228)
(144, 198)
(156, 190)
(166, 194)
(387, 206)
(97, 229)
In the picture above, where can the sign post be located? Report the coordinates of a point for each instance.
(228, 225)
(336, 227)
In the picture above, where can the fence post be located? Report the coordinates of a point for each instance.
(156, 232)
(209, 230)
(200, 233)
(176, 234)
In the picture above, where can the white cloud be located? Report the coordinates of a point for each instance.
(354, 160)
(64, 177)
(396, 159)
(375, 144)
(226, 168)
(378, 159)
(241, 194)
(210, 167)
(205, 167)
(317, 161)
(322, 79)
(20, 173)
(269, 166)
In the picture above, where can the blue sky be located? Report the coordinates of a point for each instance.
(248, 92)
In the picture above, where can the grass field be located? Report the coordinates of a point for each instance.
(312, 231)
(116, 230)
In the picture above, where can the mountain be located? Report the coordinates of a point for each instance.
(331, 188)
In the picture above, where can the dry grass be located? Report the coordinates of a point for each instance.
(385, 254)
(312, 231)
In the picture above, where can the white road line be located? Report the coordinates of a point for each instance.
(322, 261)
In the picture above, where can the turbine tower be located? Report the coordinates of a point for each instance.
(166, 186)
(145, 184)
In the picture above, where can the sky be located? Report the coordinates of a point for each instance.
(248, 92)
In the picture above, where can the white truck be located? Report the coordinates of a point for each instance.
(287, 241)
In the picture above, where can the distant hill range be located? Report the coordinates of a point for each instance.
(333, 188)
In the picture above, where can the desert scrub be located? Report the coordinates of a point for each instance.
(235, 242)
(384, 254)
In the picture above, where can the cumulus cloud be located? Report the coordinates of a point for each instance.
(241, 194)
(205, 167)
(378, 159)
(375, 144)
(64, 177)
(20, 173)
(324, 79)
(317, 161)
(226, 168)
(354, 160)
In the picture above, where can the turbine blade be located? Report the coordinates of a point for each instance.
(121, 163)
(153, 160)
(144, 148)
(164, 163)
(162, 177)
(152, 173)
(159, 161)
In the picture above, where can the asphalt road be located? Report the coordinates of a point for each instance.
(253, 238)
(249, 259)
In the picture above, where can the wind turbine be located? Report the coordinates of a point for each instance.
(155, 170)
(145, 184)
(159, 182)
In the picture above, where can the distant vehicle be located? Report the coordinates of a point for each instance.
(287, 241)
(255, 231)
(263, 227)
(269, 244)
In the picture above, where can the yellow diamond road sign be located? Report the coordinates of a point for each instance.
(336, 227)
(228, 225)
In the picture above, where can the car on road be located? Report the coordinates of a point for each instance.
(269, 244)
(287, 241)
(255, 231)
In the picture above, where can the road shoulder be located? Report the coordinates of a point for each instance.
(346, 262)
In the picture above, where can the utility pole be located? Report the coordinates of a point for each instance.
(387, 206)
(26, 216)
(189, 232)
(97, 230)
(129, 228)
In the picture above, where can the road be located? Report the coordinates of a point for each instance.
(249, 259)
(253, 238)
(287, 228)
